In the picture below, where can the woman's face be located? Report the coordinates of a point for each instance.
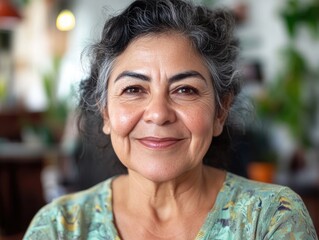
(160, 110)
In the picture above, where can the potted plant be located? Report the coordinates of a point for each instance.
(292, 98)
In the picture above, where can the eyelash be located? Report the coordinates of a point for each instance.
(132, 90)
(191, 90)
(186, 90)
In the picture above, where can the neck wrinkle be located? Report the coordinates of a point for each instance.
(164, 201)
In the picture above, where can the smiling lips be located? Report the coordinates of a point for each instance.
(158, 143)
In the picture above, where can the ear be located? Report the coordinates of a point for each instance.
(106, 122)
(221, 115)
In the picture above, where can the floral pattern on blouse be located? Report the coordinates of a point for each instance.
(244, 209)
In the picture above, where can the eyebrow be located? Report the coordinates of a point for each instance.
(132, 75)
(175, 78)
(187, 74)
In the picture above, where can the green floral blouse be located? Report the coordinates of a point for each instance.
(243, 209)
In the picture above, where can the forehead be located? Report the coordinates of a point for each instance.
(169, 50)
(164, 39)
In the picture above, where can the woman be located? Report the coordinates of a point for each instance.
(163, 79)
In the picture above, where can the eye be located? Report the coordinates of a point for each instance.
(186, 90)
(133, 90)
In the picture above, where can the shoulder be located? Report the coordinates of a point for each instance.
(74, 214)
(263, 196)
(244, 188)
(100, 192)
(90, 201)
(266, 210)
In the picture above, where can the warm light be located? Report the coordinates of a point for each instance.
(65, 21)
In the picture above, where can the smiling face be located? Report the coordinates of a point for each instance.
(160, 108)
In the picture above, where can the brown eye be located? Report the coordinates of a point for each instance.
(186, 90)
(133, 90)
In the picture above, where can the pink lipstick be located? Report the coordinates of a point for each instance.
(158, 143)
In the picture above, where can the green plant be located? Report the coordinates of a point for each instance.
(51, 128)
(57, 110)
(296, 13)
(291, 98)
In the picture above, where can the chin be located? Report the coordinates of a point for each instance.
(160, 174)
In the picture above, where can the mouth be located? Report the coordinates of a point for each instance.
(158, 143)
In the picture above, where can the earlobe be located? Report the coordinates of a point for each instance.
(222, 115)
(220, 121)
(106, 123)
(218, 127)
(106, 129)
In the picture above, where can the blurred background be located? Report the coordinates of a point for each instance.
(41, 64)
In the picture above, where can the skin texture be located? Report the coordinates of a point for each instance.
(161, 117)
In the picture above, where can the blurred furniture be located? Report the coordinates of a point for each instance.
(13, 121)
(20, 171)
(21, 194)
(22, 159)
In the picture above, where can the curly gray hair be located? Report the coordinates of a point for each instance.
(210, 32)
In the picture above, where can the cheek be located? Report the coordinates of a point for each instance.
(200, 121)
(201, 126)
(123, 121)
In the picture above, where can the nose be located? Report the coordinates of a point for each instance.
(159, 111)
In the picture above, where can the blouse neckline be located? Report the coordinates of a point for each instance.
(211, 215)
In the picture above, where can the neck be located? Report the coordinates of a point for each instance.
(172, 199)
